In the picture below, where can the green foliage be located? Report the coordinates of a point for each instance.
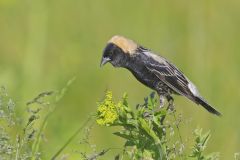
(148, 131)
(200, 145)
(20, 138)
(7, 123)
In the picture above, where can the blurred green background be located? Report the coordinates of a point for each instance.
(44, 43)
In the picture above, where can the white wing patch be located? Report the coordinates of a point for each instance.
(193, 88)
(155, 57)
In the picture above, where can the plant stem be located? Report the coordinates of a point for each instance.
(71, 138)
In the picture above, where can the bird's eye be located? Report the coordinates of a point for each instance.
(107, 57)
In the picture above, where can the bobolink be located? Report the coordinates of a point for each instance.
(152, 70)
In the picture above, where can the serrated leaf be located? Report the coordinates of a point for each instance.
(148, 130)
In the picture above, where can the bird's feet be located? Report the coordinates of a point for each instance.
(161, 101)
(171, 106)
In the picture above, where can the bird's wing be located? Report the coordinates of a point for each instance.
(170, 75)
(175, 79)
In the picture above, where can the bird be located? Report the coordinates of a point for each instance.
(152, 70)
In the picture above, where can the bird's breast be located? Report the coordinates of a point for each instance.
(143, 75)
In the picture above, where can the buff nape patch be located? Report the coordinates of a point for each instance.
(127, 45)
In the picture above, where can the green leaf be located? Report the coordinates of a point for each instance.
(148, 130)
(129, 143)
(123, 135)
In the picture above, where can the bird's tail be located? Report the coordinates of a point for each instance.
(207, 106)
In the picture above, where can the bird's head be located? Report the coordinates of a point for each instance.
(118, 47)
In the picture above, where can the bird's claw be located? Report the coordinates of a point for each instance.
(171, 107)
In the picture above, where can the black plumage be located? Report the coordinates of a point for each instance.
(152, 70)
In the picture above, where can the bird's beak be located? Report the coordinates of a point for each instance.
(104, 61)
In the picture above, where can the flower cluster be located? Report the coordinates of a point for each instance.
(107, 110)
